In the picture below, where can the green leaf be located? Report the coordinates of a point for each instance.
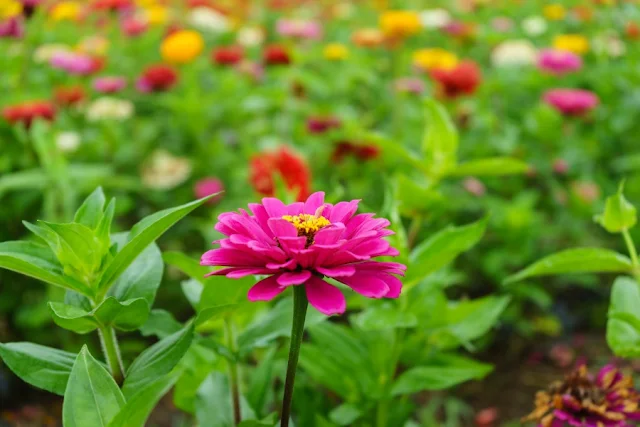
(161, 324)
(221, 296)
(274, 324)
(385, 316)
(142, 278)
(269, 421)
(37, 261)
(619, 215)
(157, 360)
(91, 211)
(440, 374)
(189, 266)
(139, 406)
(493, 166)
(213, 405)
(345, 414)
(92, 397)
(192, 290)
(42, 367)
(440, 142)
(261, 381)
(442, 248)
(579, 260)
(126, 316)
(623, 326)
(142, 235)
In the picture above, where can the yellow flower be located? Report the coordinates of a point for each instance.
(554, 12)
(66, 11)
(10, 9)
(434, 58)
(399, 23)
(335, 52)
(571, 42)
(156, 14)
(96, 45)
(367, 37)
(182, 47)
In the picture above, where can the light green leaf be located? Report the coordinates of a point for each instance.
(493, 166)
(442, 248)
(345, 414)
(160, 323)
(43, 367)
(91, 211)
(623, 326)
(189, 266)
(37, 261)
(138, 408)
(440, 142)
(213, 405)
(619, 215)
(157, 360)
(440, 374)
(192, 290)
(579, 260)
(261, 381)
(142, 235)
(126, 316)
(92, 397)
(385, 316)
(221, 296)
(142, 278)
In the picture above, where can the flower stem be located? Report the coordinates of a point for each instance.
(300, 304)
(233, 373)
(632, 253)
(112, 353)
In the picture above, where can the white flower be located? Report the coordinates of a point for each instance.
(163, 171)
(514, 53)
(43, 53)
(609, 44)
(208, 20)
(250, 36)
(435, 18)
(534, 26)
(109, 108)
(68, 142)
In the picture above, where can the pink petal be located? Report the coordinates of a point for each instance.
(265, 290)
(231, 258)
(295, 208)
(294, 278)
(282, 228)
(394, 284)
(338, 271)
(238, 272)
(368, 285)
(343, 211)
(274, 207)
(329, 235)
(325, 298)
(313, 203)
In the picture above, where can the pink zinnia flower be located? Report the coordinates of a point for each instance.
(571, 102)
(73, 63)
(12, 28)
(109, 84)
(208, 186)
(301, 243)
(299, 29)
(132, 26)
(559, 61)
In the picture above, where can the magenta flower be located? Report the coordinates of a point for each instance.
(12, 28)
(299, 29)
(300, 243)
(208, 186)
(571, 102)
(73, 63)
(109, 84)
(559, 62)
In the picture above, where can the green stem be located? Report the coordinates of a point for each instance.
(233, 373)
(382, 413)
(630, 247)
(112, 353)
(300, 304)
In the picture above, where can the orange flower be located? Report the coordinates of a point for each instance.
(367, 37)
(399, 24)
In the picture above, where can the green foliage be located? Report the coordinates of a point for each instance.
(619, 215)
(623, 326)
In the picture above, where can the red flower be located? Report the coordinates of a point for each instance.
(321, 124)
(292, 169)
(68, 95)
(461, 80)
(361, 151)
(157, 78)
(111, 5)
(27, 112)
(276, 55)
(227, 55)
(632, 30)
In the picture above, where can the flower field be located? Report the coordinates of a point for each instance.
(368, 213)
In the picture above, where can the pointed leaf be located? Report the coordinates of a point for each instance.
(619, 215)
(440, 142)
(126, 316)
(157, 360)
(189, 266)
(143, 234)
(92, 397)
(90, 212)
(43, 367)
(579, 260)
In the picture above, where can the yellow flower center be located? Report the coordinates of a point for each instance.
(307, 225)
